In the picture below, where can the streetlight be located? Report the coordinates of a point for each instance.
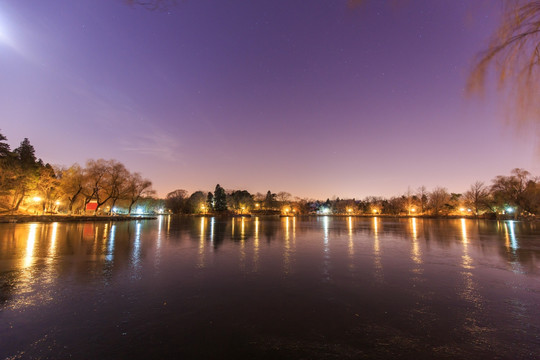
(37, 200)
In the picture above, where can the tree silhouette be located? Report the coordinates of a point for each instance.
(220, 199)
(4, 147)
(514, 55)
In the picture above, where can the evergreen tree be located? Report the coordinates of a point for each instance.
(220, 199)
(4, 147)
(269, 201)
(26, 154)
(210, 201)
(8, 175)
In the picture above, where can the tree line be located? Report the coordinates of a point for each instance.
(28, 184)
(516, 194)
(221, 201)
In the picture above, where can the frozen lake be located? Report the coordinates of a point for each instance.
(318, 287)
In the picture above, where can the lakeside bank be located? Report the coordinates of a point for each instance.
(86, 218)
(69, 218)
(388, 216)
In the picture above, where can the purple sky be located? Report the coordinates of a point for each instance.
(308, 97)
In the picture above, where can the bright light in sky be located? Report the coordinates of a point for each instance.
(3, 34)
(5, 37)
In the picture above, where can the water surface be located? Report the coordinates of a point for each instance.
(319, 287)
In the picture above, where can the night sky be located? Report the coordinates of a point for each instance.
(310, 97)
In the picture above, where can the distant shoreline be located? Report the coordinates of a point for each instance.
(471, 217)
(91, 218)
(69, 218)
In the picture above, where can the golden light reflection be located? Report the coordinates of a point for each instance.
(350, 247)
(326, 260)
(202, 227)
(287, 248)
(52, 250)
(351, 243)
(294, 228)
(242, 245)
(29, 277)
(469, 291)
(52, 247)
(105, 232)
(293, 234)
(30, 245)
(256, 246)
(104, 238)
(416, 254)
(464, 231)
(201, 243)
(506, 236)
(377, 258)
(466, 259)
(287, 233)
(96, 239)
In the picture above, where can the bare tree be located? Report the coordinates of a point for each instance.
(510, 190)
(176, 200)
(408, 200)
(422, 194)
(514, 55)
(117, 181)
(136, 188)
(477, 196)
(438, 198)
(47, 185)
(71, 184)
(96, 174)
(283, 197)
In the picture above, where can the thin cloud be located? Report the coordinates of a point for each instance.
(157, 144)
